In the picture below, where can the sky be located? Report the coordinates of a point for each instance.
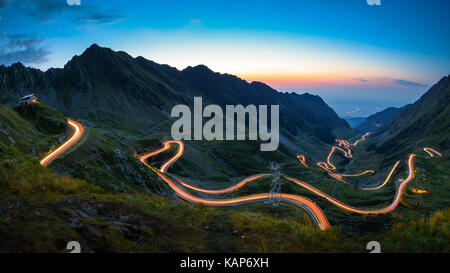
(359, 58)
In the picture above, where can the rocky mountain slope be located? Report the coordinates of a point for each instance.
(354, 121)
(99, 194)
(135, 93)
(375, 121)
(425, 123)
(130, 99)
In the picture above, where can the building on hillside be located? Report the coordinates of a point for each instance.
(28, 99)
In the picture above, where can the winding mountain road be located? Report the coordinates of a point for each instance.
(78, 132)
(317, 215)
(309, 206)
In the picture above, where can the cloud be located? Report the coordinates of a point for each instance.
(361, 80)
(73, 2)
(195, 21)
(22, 48)
(99, 17)
(407, 83)
(355, 111)
(72, 11)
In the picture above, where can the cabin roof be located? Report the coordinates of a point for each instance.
(27, 96)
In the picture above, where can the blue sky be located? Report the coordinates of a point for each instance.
(359, 58)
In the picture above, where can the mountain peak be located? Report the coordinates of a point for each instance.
(95, 49)
(94, 45)
(101, 56)
(17, 65)
(199, 68)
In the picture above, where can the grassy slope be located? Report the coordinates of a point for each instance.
(41, 211)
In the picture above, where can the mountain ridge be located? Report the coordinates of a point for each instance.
(374, 121)
(90, 85)
(423, 123)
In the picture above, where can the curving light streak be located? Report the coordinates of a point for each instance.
(429, 150)
(337, 177)
(385, 181)
(226, 190)
(346, 145)
(78, 132)
(309, 206)
(302, 160)
(361, 139)
(329, 167)
(356, 174)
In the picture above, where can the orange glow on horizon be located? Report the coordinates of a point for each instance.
(280, 80)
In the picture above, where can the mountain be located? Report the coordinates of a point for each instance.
(99, 194)
(104, 85)
(127, 102)
(114, 90)
(425, 123)
(375, 121)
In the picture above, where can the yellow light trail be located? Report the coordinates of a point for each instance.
(226, 190)
(361, 139)
(329, 167)
(78, 132)
(429, 150)
(419, 191)
(356, 174)
(302, 160)
(385, 181)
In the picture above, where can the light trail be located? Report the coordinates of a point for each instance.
(302, 160)
(385, 181)
(419, 191)
(226, 190)
(309, 206)
(78, 132)
(361, 139)
(328, 166)
(344, 147)
(337, 177)
(429, 150)
(356, 174)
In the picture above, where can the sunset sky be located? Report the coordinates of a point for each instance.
(359, 58)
